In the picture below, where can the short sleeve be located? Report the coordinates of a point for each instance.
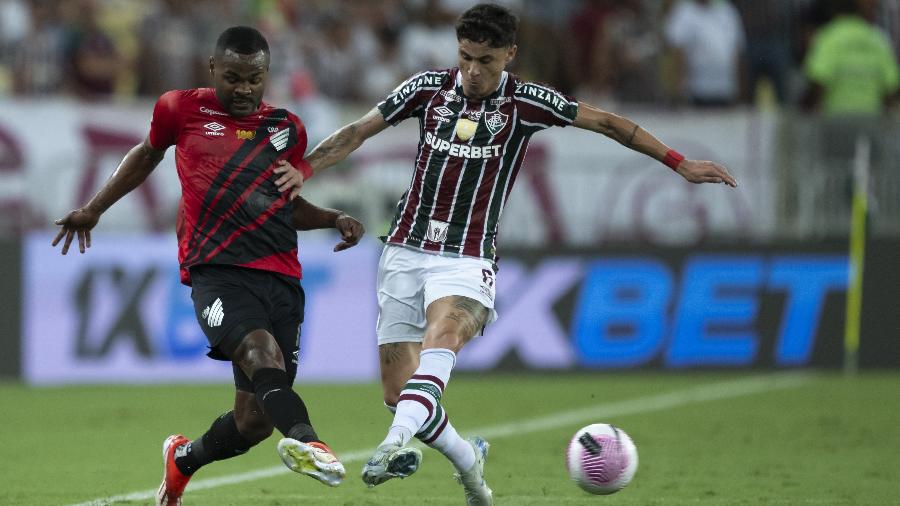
(165, 124)
(541, 107)
(409, 99)
(295, 155)
(298, 150)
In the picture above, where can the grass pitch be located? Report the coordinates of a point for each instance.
(702, 438)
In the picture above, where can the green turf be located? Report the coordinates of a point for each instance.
(831, 440)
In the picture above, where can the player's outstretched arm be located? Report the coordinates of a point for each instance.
(631, 135)
(308, 216)
(134, 169)
(341, 143)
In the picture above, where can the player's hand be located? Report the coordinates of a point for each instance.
(701, 171)
(291, 179)
(78, 222)
(351, 231)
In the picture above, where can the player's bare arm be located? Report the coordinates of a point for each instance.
(134, 169)
(631, 135)
(308, 216)
(341, 143)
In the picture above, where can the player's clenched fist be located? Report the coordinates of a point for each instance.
(351, 231)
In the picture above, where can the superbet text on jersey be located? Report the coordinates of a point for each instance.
(231, 211)
(469, 154)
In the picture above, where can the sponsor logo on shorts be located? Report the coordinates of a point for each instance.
(214, 313)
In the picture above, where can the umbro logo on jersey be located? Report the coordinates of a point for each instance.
(213, 314)
(280, 139)
(443, 110)
(214, 128)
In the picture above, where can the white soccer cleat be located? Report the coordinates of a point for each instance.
(477, 491)
(312, 459)
(391, 461)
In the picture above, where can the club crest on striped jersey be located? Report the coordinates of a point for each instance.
(465, 129)
(495, 121)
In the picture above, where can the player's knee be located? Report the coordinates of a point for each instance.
(451, 339)
(258, 351)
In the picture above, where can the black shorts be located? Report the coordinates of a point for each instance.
(230, 302)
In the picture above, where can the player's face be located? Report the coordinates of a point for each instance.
(481, 66)
(240, 80)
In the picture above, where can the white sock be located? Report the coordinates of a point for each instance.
(419, 405)
(455, 448)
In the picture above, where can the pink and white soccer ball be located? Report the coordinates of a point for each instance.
(601, 458)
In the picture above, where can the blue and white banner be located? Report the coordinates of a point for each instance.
(119, 313)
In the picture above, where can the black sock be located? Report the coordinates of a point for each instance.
(284, 407)
(222, 441)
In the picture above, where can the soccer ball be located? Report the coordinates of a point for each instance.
(601, 458)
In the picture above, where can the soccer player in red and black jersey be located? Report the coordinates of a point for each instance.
(436, 279)
(239, 161)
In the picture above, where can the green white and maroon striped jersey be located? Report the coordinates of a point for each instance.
(469, 154)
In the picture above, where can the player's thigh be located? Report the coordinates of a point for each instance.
(459, 300)
(287, 300)
(400, 294)
(398, 362)
(227, 306)
(453, 321)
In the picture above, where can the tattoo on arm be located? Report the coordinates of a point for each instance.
(334, 148)
(631, 138)
(470, 314)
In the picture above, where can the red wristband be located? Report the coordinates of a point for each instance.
(673, 158)
(306, 169)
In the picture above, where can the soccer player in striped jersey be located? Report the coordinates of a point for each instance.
(436, 278)
(237, 159)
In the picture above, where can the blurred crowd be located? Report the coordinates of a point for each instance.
(835, 55)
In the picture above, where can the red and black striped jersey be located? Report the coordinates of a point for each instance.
(469, 154)
(230, 212)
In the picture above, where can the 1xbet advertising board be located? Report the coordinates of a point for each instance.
(118, 312)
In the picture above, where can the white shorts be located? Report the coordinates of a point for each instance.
(409, 281)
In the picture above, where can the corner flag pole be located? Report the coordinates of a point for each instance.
(859, 210)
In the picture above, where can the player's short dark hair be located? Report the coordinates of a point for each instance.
(489, 23)
(242, 40)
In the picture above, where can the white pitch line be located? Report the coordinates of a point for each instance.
(694, 395)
